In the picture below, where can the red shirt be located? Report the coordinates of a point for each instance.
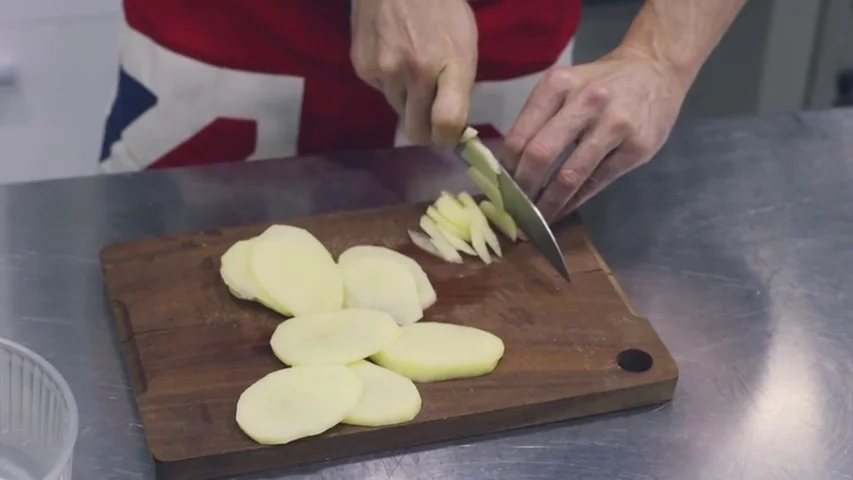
(311, 39)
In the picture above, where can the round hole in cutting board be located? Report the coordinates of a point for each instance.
(634, 360)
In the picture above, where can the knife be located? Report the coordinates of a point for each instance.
(499, 186)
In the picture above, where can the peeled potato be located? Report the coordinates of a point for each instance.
(500, 219)
(435, 246)
(479, 220)
(434, 230)
(286, 231)
(450, 208)
(236, 274)
(388, 397)
(481, 158)
(446, 224)
(468, 134)
(431, 352)
(297, 402)
(381, 284)
(234, 270)
(426, 292)
(333, 338)
(490, 189)
(297, 272)
(478, 241)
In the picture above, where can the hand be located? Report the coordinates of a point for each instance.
(619, 109)
(422, 54)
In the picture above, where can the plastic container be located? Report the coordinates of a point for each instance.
(38, 417)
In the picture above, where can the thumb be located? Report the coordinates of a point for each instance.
(452, 101)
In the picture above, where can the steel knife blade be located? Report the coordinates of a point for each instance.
(513, 199)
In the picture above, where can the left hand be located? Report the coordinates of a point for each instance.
(620, 110)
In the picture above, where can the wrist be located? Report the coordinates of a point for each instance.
(680, 63)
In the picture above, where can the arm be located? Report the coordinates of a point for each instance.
(681, 33)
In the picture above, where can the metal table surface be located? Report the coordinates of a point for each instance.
(736, 241)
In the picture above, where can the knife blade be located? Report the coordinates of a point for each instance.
(511, 198)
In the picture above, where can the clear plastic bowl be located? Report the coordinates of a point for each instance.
(38, 417)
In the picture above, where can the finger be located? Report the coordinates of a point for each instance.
(613, 167)
(544, 102)
(548, 143)
(420, 93)
(452, 101)
(589, 154)
(395, 94)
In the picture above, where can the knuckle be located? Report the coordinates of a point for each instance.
(596, 95)
(558, 79)
(569, 179)
(621, 125)
(514, 144)
(387, 64)
(540, 153)
(418, 66)
(643, 147)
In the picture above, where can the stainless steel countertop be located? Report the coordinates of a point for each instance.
(737, 243)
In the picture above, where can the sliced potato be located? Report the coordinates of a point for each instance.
(469, 134)
(297, 272)
(450, 208)
(434, 230)
(236, 274)
(234, 270)
(446, 224)
(440, 249)
(286, 231)
(480, 157)
(333, 338)
(478, 241)
(297, 402)
(426, 292)
(388, 397)
(500, 219)
(479, 220)
(431, 352)
(491, 190)
(381, 284)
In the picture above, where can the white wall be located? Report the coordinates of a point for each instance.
(63, 54)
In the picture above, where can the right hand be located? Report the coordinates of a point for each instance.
(422, 55)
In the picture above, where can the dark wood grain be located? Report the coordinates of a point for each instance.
(191, 348)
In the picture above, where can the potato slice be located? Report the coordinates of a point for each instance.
(297, 272)
(286, 231)
(478, 241)
(333, 338)
(235, 272)
(426, 292)
(440, 249)
(431, 352)
(500, 219)
(450, 208)
(490, 189)
(434, 230)
(388, 398)
(469, 134)
(297, 402)
(480, 157)
(381, 284)
(446, 224)
(481, 222)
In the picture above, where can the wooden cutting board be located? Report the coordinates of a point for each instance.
(190, 348)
